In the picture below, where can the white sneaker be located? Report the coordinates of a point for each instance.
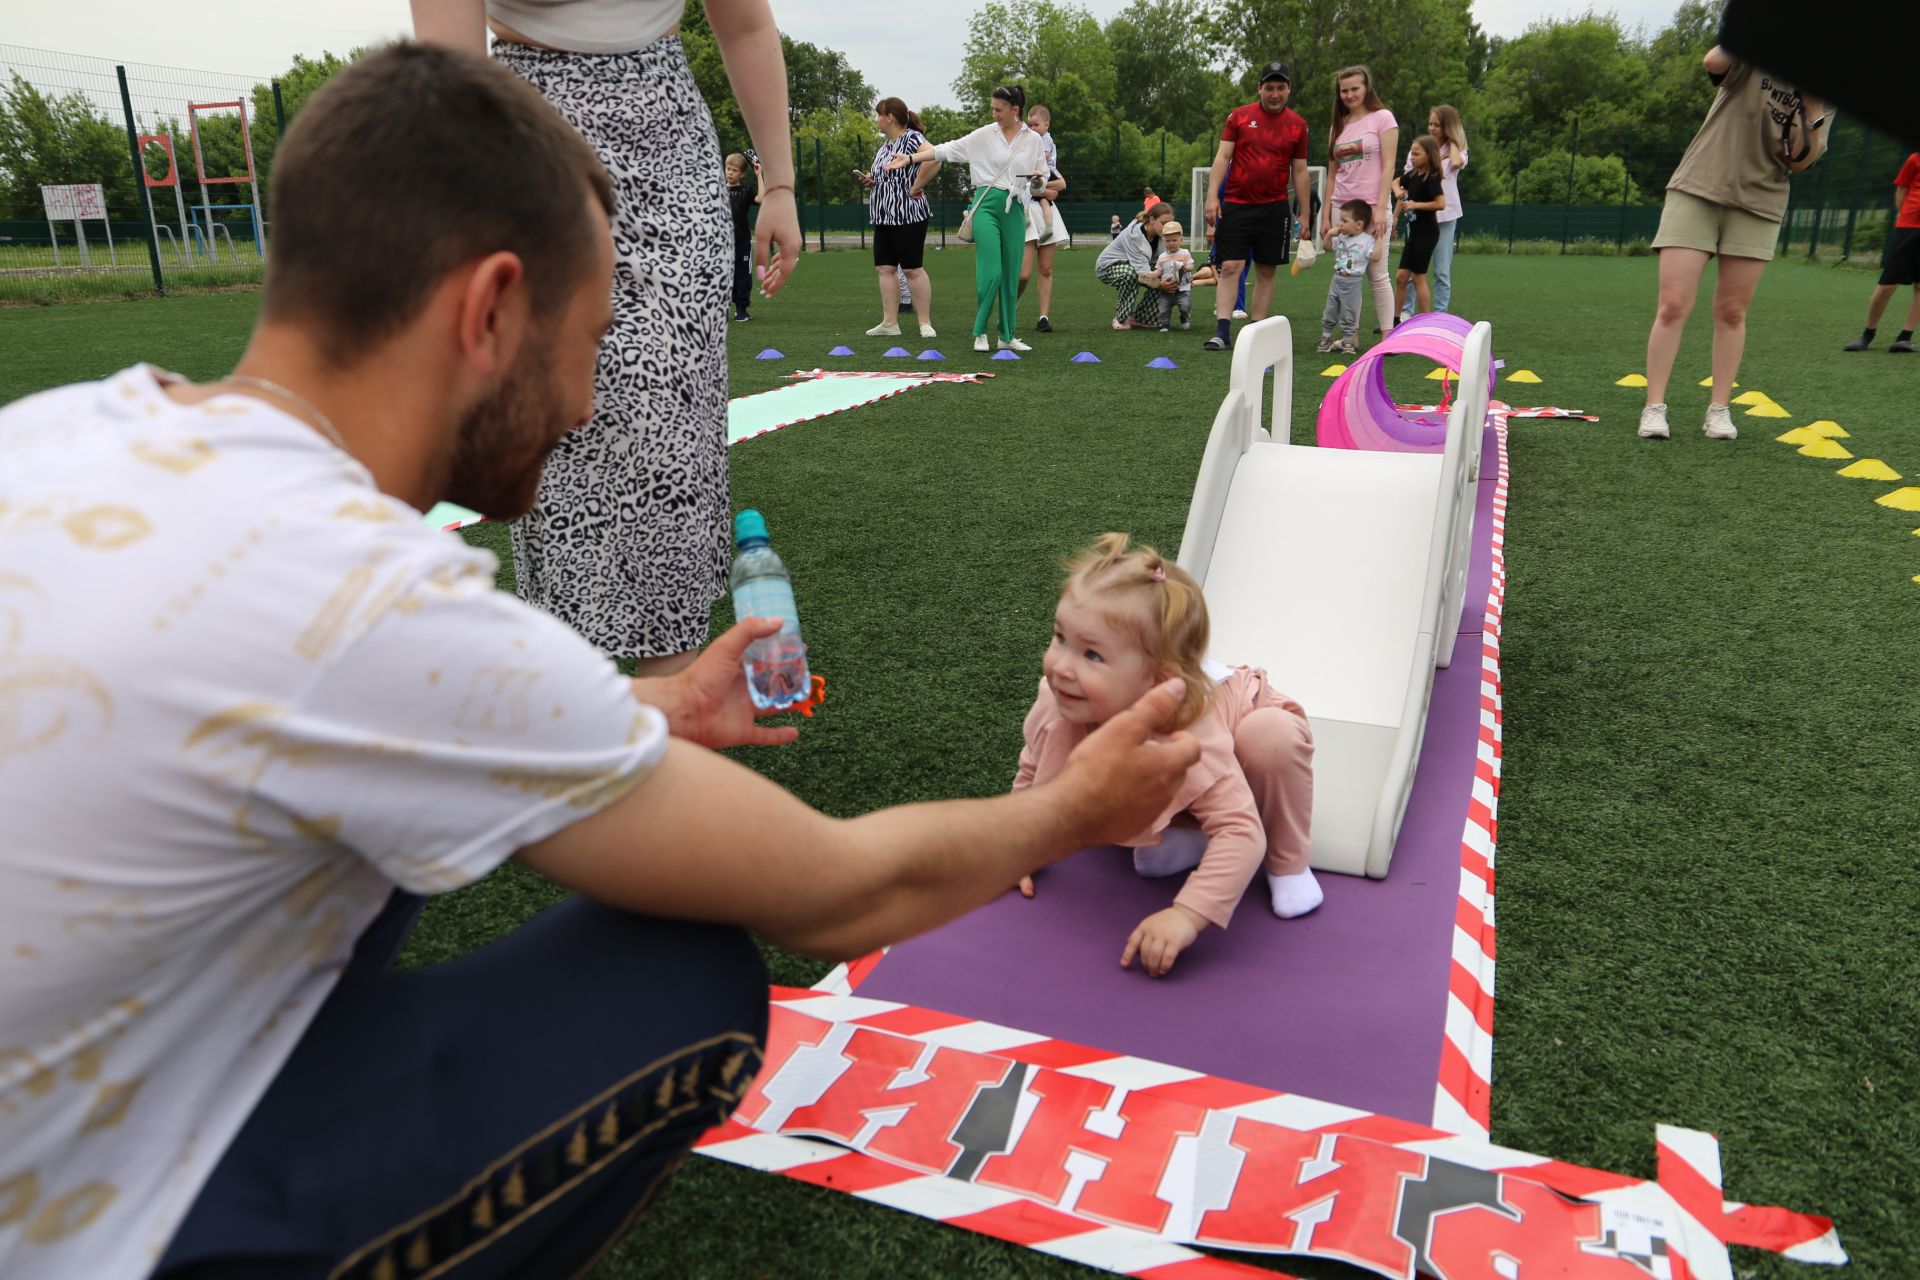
(1653, 422)
(980, 342)
(1239, 314)
(926, 331)
(1719, 423)
(884, 331)
(1015, 345)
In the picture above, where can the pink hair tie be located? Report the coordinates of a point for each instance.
(1159, 573)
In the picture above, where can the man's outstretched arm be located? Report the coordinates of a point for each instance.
(705, 839)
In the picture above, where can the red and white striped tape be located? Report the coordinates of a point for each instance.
(1462, 1098)
(1682, 1208)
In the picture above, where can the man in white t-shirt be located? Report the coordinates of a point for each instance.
(252, 710)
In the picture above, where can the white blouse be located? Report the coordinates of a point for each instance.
(986, 151)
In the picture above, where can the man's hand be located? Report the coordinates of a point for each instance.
(1124, 774)
(1213, 210)
(1160, 938)
(708, 702)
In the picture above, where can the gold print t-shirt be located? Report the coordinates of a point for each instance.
(243, 695)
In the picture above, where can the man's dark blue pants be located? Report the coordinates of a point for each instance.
(509, 1113)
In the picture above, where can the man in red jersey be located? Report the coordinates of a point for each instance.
(1901, 263)
(1264, 144)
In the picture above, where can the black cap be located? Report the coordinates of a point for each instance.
(1275, 71)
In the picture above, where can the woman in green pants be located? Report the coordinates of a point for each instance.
(1002, 158)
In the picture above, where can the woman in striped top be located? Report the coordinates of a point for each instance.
(898, 210)
(1002, 159)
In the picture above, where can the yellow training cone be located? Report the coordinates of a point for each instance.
(1768, 410)
(1907, 499)
(1439, 375)
(1827, 427)
(1821, 447)
(1632, 380)
(1799, 436)
(1707, 382)
(1869, 469)
(1333, 371)
(1524, 375)
(1752, 397)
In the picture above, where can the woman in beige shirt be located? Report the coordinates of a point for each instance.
(1726, 200)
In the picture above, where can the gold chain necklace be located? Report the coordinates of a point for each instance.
(320, 421)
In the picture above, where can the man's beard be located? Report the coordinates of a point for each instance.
(505, 439)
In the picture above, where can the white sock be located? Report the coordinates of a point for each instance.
(1294, 895)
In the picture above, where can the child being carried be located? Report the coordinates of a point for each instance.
(1128, 620)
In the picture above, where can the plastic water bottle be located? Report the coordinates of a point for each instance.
(777, 665)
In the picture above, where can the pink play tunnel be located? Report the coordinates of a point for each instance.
(1359, 414)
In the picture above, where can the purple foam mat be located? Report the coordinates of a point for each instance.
(1347, 1004)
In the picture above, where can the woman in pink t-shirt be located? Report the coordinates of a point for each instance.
(1361, 146)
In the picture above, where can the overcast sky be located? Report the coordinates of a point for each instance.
(912, 50)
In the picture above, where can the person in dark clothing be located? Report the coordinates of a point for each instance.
(1419, 192)
(742, 194)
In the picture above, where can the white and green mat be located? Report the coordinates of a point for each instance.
(815, 394)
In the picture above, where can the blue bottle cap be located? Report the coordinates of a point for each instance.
(749, 524)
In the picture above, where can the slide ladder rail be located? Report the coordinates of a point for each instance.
(1468, 422)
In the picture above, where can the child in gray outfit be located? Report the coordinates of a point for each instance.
(1175, 264)
(1353, 248)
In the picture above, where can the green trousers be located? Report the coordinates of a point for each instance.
(999, 238)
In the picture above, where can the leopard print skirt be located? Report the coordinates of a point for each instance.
(628, 540)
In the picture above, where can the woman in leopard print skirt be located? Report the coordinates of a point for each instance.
(628, 540)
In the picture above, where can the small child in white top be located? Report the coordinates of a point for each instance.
(1353, 249)
(1175, 264)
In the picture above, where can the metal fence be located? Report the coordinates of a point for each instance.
(123, 179)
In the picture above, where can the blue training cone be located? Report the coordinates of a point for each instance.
(769, 354)
(1085, 357)
(841, 351)
(897, 352)
(930, 354)
(1161, 362)
(1006, 355)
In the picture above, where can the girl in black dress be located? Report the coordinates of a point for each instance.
(1420, 193)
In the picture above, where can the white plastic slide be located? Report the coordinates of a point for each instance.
(1342, 572)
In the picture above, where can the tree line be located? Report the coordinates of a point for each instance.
(1580, 105)
(1142, 96)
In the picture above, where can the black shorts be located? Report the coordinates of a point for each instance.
(904, 246)
(1261, 232)
(1417, 253)
(1902, 263)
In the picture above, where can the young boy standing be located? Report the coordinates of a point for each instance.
(740, 198)
(1175, 264)
(1353, 250)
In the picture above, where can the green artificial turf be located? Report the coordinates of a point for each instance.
(1707, 895)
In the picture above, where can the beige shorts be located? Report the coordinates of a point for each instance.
(1689, 222)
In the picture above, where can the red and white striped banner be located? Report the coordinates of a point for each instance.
(1125, 1164)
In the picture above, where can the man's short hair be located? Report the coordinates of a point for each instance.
(407, 164)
